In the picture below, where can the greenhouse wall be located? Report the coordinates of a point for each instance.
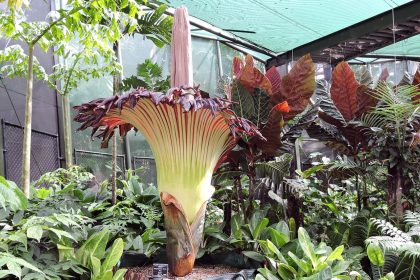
(211, 60)
(45, 114)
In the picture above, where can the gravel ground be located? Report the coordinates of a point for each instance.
(199, 272)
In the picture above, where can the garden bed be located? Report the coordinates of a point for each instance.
(199, 272)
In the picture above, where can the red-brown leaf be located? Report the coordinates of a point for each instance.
(271, 131)
(275, 79)
(365, 100)
(384, 75)
(237, 66)
(251, 78)
(297, 87)
(344, 90)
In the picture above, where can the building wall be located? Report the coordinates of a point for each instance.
(13, 91)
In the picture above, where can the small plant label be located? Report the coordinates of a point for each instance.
(160, 270)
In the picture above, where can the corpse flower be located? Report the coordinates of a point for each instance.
(189, 137)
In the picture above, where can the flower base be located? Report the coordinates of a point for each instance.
(183, 239)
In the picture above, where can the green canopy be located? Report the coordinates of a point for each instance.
(407, 47)
(282, 25)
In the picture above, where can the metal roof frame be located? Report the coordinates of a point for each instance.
(359, 39)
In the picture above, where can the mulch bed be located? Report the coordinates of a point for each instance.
(199, 272)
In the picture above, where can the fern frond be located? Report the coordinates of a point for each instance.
(389, 229)
(389, 243)
(412, 220)
(275, 170)
(295, 185)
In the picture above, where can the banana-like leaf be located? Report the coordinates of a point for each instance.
(344, 90)
(297, 87)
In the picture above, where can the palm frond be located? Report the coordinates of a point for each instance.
(156, 26)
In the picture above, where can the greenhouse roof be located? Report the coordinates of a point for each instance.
(282, 25)
(408, 47)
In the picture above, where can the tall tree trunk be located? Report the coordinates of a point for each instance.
(68, 146)
(395, 190)
(27, 130)
(116, 90)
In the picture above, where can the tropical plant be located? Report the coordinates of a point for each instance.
(402, 255)
(184, 147)
(301, 259)
(149, 75)
(391, 128)
(271, 102)
(95, 256)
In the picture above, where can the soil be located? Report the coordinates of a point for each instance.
(199, 272)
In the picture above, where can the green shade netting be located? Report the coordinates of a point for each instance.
(282, 25)
(407, 47)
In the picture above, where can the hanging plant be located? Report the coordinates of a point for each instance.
(189, 137)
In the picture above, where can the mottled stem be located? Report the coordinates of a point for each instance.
(183, 239)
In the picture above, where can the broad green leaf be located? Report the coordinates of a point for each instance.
(388, 276)
(11, 196)
(113, 255)
(325, 274)
(95, 245)
(43, 193)
(302, 264)
(286, 271)
(64, 252)
(4, 273)
(235, 225)
(341, 267)
(95, 265)
(20, 261)
(336, 254)
(278, 238)
(260, 277)
(307, 246)
(119, 274)
(254, 255)
(375, 254)
(256, 233)
(60, 233)
(14, 269)
(19, 237)
(267, 274)
(34, 232)
(273, 248)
